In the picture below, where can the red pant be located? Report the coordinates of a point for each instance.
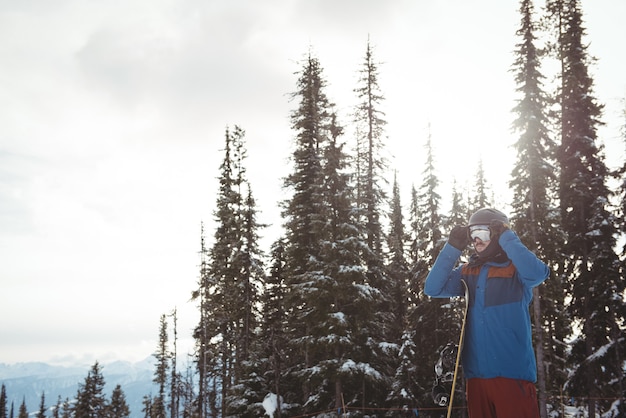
(501, 398)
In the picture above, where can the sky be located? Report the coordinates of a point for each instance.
(112, 123)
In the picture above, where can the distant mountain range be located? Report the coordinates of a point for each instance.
(27, 381)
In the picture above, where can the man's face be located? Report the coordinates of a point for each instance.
(480, 236)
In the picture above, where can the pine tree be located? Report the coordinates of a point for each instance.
(533, 212)
(204, 352)
(370, 123)
(3, 402)
(273, 325)
(459, 212)
(175, 378)
(160, 374)
(369, 120)
(397, 266)
(42, 406)
(90, 398)
(402, 393)
(247, 392)
(344, 294)
(435, 321)
(23, 411)
(56, 412)
(66, 410)
(187, 394)
(118, 408)
(230, 280)
(592, 267)
(301, 215)
(480, 198)
(147, 406)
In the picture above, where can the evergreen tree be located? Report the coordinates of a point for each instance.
(247, 392)
(301, 213)
(23, 411)
(118, 408)
(533, 212)
(147, 406)
(480, 198)
(56, 411)
(434, 320)
(230, 282)
(370, 122)
(592, 266)
(459, 212)
(160, 374)
(341, 326)
(273, 325)
(175, 377)
(205, 353)
(42, 406)
(397, 267)
(66, 410)
(413, 236)
(402, 350)
(90, 398)
(3, 402)
(187, 394)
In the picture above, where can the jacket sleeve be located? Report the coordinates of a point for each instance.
(444, 280)
(531, 270)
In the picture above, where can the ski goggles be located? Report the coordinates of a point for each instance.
(480, 231)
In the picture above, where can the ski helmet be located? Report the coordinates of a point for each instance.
(484, 216)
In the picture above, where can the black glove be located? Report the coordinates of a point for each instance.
(459, 237)
(496, 228)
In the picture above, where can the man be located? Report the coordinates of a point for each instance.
(498, 357)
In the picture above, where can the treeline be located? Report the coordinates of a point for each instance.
(90, 402)
(335, 318)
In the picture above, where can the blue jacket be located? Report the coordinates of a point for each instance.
(498, 339)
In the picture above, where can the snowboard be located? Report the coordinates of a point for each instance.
(447, 366)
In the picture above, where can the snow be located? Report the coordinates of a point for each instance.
(350, 365)
(270, 404)
(339, 316)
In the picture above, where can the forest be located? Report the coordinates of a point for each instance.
(332, 319)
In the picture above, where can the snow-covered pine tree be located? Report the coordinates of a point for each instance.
(249, 387)
(229, 287)
(342, 324)
(592, 267)
(436, 321)
(302, 213)
(534, 208)
(402, 357)
(273, 336)
(369, 122)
